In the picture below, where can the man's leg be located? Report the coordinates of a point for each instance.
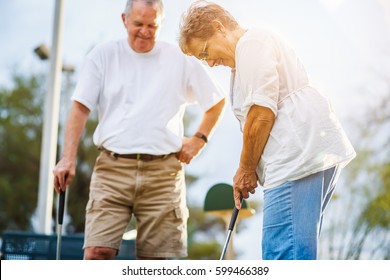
(99, 253)
(109, 207)
(161, 210)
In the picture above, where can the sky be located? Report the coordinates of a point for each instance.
(344, 44)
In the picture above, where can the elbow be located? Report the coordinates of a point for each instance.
(218, 108)
(222, 104)
(261, 116)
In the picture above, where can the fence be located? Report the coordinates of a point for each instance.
(19, 245)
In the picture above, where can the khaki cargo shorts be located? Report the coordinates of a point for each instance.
(153, 191)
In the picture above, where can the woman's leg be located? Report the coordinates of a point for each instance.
(293, 215)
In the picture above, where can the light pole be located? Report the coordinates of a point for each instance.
(43, 52)
(50, 127)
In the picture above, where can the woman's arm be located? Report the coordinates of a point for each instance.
(258, 125)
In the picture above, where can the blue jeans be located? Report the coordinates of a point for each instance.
(293, 215)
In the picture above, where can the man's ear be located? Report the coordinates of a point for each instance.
(124, 19)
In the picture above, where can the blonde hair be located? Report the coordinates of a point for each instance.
(196, 23)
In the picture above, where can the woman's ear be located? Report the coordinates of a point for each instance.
(218, 26)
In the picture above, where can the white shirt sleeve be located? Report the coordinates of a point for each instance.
(201, 87)
(256, 66)
(89, 84)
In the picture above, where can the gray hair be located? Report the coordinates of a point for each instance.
(157, 4)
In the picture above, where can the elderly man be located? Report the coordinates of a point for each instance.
(140, 87)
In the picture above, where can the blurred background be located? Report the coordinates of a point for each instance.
(345, 45)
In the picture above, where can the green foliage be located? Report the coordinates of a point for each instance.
(20, 137)
(207, 226)
(21, 111)
(204, 250)
(377, 211)
(368, 179)
(374, 219)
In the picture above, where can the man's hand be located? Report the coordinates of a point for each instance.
(244, 182)
(64, 172)
(190, 149)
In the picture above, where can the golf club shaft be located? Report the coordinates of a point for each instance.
(230, 230)
(226, 245)
(61, 208)
(59, 242)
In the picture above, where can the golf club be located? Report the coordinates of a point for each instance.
(60, 218)
(230, 230)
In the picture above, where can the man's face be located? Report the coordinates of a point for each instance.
(142, 25)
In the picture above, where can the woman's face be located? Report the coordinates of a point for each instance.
(215, 51)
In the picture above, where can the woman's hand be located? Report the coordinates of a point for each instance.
(244, 182)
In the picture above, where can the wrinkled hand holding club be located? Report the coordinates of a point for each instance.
(244, 182)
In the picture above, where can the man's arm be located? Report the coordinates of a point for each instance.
(65, 170)
(258, 125)
(192, 146)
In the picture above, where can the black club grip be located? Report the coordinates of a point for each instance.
(234, 216)
(61, 208)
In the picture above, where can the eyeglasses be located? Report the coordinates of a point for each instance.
(204, 55)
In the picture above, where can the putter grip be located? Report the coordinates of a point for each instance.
(234, 216)
(61, 207)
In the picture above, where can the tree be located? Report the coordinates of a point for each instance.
(366, 207)
(20, 138)
(372, 228)
(21, 110)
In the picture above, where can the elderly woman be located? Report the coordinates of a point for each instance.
(293, 144)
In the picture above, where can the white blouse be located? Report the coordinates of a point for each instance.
(306, 137)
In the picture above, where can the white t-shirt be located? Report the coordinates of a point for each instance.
(306, 137)
(141, 97)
